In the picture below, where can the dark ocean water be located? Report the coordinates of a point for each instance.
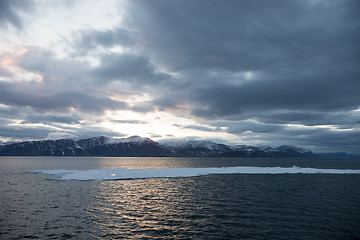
(230, 206)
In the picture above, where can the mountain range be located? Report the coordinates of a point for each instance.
(136, 146)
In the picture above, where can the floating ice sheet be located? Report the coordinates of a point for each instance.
(124, 173)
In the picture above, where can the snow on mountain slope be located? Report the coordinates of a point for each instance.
(133, 139)
(292, 148)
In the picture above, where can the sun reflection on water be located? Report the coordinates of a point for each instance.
(146, 208)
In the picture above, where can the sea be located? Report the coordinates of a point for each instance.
(179, 198)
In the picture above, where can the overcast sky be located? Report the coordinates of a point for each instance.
(238, 72)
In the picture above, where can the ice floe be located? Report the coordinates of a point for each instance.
(124, 173)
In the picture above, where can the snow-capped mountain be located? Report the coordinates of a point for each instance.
(199, 149)
(132, 139)
(136, 146)
(97, 146)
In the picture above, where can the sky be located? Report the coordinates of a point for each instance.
(236, 72)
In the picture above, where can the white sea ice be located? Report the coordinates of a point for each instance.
(124, 173)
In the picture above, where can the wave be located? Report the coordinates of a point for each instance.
(124, 173)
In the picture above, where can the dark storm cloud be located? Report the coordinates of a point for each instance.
(9, 112)
(243, 35)
(165, 102)
(90, 40)
(60, 72)
(23, 133)
(61, 102)
(73, 119)
(27, 115)
(200, 128)
(9, 11)
(306, 52)
(331, 93)
(344, 119)
(129, 68)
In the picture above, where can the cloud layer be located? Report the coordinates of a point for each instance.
(264, 72)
